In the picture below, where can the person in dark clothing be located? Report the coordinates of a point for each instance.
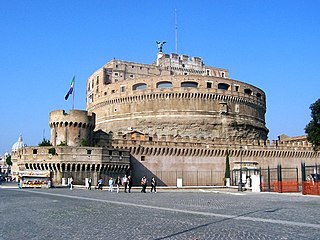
(89, 183)
(153, 185)
(144, 184)
(130, 183)
(118, 183)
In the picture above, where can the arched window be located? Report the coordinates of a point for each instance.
(189, 84)
(259, 95)
(164, 85)
(223, 86)
(248, 91)
(139, 86)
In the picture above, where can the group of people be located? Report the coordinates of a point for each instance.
(144, 183)
(126, 181)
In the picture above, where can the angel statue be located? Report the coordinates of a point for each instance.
(160, 45)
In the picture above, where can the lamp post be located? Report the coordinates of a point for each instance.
(240, 182)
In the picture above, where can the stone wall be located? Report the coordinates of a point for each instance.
(72, 129)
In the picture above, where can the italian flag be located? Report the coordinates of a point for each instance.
(71, 88)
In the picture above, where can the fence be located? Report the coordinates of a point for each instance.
(310, 179)
(190, 178)
(279, 179)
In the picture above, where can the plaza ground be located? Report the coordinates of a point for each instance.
(169, 214)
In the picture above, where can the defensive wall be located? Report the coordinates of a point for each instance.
(203, 161)
(72, 129)
(78, 162)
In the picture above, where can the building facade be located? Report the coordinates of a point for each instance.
(175, 119)
(72, 153)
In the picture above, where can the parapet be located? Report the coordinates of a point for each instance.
(59, 117)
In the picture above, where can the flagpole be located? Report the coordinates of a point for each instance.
(74, 88)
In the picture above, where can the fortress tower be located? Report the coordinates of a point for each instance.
(175, 96)
(72, 129)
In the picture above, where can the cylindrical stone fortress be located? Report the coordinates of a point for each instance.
(72, 129)
(176, 96)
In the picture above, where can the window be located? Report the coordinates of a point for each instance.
(259, 95)
(35, 151)
(236, 108)
(236, 88)
(89, 151)
(223, 86)
(139, 86)
(189, 84)
(143, 158)
(222, 74)
(209, 84)
(248, 91)
(123, 88)
(208, 72)
(116, 74)
(164, 85)
(113, 91)
(97, 80)
(131, 75)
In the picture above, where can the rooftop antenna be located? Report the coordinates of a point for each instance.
(176, 29)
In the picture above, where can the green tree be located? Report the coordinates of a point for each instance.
(313, 128)
(227, 173)
(84, 143)
(44, 143)
(8, 160)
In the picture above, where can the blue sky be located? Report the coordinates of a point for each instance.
(273, 45)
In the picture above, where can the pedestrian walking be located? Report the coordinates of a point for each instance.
(71, 183)
(125, 183)
(110, 184)
(100, 184)
(130, 183)
(89, 183)
(144, 184)
(118, 183)
(153, 185)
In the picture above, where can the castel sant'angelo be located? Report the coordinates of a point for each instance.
(175, 118)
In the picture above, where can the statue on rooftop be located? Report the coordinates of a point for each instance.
(160, 45)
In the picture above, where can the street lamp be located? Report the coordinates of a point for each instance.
(240, 182)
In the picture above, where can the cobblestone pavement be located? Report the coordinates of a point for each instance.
(198, 214)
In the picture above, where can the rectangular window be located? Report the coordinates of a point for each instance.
(123, 88)
(116, 74)
(35, 151)
(236, 108)
(209, 84)
(236, 88)
(143, 158)
(89, 151)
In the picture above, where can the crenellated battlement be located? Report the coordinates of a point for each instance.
(202, 148)
(72, 129)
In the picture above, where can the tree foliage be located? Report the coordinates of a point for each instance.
(227, 173)
(313, 128)
(44, 143)
(8, 160)
(84, 143)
